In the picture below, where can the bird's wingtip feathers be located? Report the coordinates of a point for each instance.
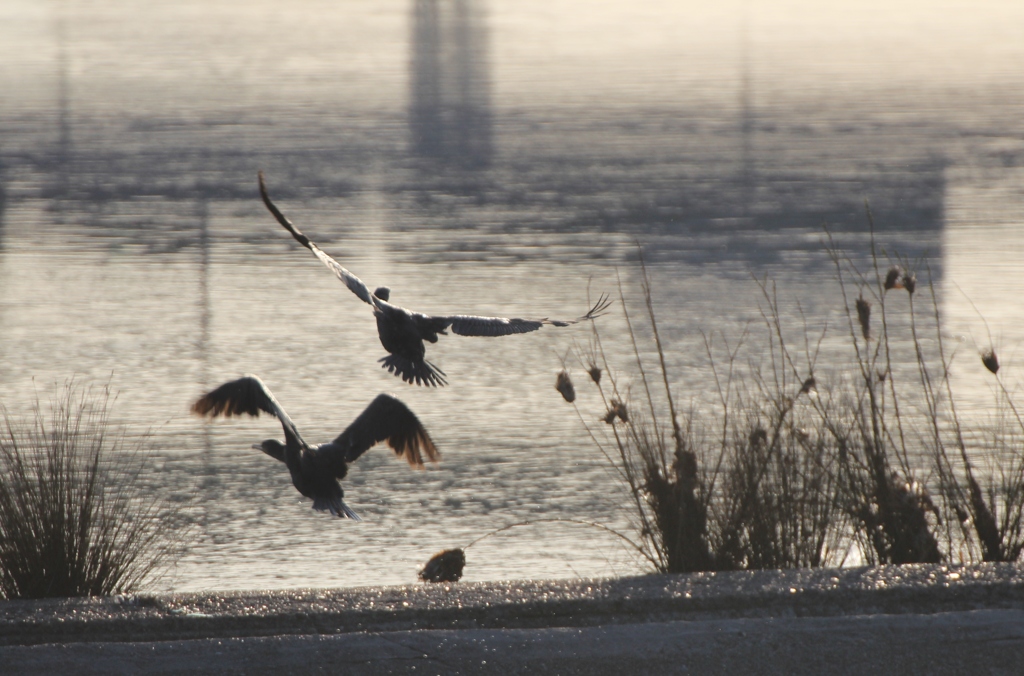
(245, 396)
(411, 441)
(213, 407)
(414, 446)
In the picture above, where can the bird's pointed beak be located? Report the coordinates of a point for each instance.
(258, 447)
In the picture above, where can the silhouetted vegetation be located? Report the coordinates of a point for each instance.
(803, 464)
(75, 518)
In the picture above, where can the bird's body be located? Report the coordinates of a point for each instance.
(403, 332)
(316, 470)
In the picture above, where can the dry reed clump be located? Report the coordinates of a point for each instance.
(445, 566)
(74, 518)
(789, 472)
(750, 489)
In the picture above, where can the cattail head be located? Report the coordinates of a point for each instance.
(444, 566)
(864, 316)
(617, 409)
(910, 282)
(892, 278)
(989, 359)
(595, 373)
(563, 383)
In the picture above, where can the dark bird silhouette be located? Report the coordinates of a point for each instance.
(316, 470)
(402, 331)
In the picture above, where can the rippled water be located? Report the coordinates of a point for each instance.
(133, 247)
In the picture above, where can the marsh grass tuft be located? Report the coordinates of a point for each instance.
(445, 566)
(75, 519)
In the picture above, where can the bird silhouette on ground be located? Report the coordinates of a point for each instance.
(316, 470)
(402, 331)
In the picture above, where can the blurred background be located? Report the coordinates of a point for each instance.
(478, 157)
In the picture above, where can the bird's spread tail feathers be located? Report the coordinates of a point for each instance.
(414, 372)
(336, 506)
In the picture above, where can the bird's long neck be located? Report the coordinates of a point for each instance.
(272, 447)
(290, 454)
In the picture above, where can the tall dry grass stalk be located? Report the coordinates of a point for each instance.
(866, 415)
(74, 518)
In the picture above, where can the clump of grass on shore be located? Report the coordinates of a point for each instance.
(74, 518)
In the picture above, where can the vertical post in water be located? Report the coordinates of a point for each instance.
(449, 112)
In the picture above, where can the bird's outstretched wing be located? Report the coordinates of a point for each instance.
(468, 325)
(354, 284)
(245, 396)
(385, 419)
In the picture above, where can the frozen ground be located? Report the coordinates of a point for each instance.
(911, 619)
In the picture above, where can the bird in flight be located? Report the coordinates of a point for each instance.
(402, 331)
(316, 469)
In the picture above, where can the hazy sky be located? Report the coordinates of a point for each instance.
(546, 49)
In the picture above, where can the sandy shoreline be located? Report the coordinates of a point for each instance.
(637, 620)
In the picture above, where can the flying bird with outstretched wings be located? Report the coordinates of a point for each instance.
(402, 331)
(316, 470)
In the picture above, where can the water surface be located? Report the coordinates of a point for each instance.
(480, 158)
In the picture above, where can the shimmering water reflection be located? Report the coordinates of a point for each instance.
(511, 168)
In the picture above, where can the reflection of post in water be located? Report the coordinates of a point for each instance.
(3, 209)
(747, 177)
(62, 155)
(425, 110)
(450, 116)
(3, 200)
(202, 343)
(210, 486)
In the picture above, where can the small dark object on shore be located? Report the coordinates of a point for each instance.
(445, 566)
(564, 385)
(864, 316)
(989, 359)
(892, 278)
(808, 385)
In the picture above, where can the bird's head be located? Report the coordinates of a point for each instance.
(272, 447)
(382, 292)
